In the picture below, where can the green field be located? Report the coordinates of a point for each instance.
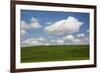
(54, 53)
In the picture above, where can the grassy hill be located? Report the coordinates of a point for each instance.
(54, 53)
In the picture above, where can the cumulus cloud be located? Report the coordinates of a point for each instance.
(41, 39)
(32, 42)
(24, 25)
(47, 44)
(35, 23)
(83, 41)
(86, 40)
(60, 42)
(69, 37)
(81, 35)
(53, 40)
(23, 32)
(36, 42)
(67, 40)
(37, 39)
(27, 43)
(69, 25)
(77, 41)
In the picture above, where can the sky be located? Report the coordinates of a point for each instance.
(54, 28)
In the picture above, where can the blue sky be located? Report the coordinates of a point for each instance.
(44, 20)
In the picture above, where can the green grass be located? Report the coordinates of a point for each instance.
(54, 53)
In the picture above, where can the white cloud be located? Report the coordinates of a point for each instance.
(81, 35)
(24, 25)
(34, 42)
(86, 40)
(23, 32)
(56, 42)
(69, 25)
(41, 39)
(67, 40)
(69, 37)
(60, 42)
(53, 40)
(35, 23)
(37, 39)
(80, 41)
(31, 42)
(47, 44)
(76, 41)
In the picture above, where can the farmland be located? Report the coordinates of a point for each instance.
(54, 53)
